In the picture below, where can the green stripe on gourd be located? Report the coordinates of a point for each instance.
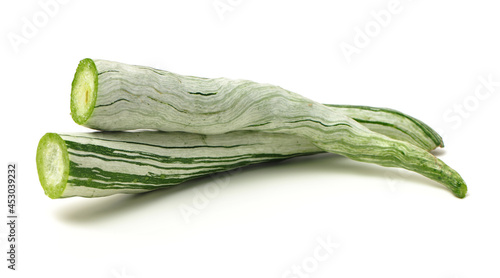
(134, 97)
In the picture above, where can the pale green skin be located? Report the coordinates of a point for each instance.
(127, 97)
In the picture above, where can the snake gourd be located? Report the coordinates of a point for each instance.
(112, 96)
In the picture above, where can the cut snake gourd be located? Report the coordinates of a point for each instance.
(114, 97)
(389, 122)
(106, 163)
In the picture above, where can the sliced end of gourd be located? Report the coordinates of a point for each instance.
(52, 163)
(84, 91)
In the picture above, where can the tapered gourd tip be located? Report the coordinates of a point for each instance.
(457, 185)
(84, 91)
(461, 191)
(52, 163)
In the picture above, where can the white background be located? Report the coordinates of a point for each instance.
(426, 61)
